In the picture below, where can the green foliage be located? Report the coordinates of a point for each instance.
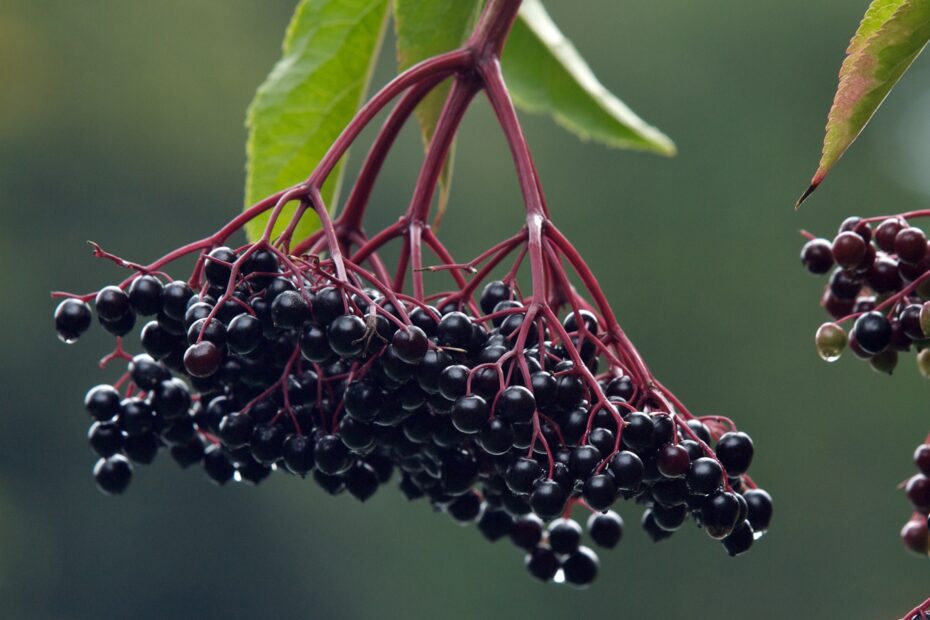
(425, 28)
(546, 74)
(308, 98)
(891, 36)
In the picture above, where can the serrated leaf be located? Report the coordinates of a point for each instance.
(891, 36)
(546, 74)
(426, 28)
(310, 95)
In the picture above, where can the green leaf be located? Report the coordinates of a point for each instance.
(892, 34)
(426, 28)
(546, 74)
(310, 95)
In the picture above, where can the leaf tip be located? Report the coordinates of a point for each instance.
(815, 183)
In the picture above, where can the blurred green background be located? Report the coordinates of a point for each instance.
(122, 122)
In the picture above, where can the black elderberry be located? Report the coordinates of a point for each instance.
(346, 335)
(187, 454)
(719, 513)
(465, 508)
(740, 539)
(141, 449)
(872, 332)
(581, 567)
(638, 431)
(252, 471)
(453, 381)
(600, 491)
(652, 528)
(102, 402)
(760, 509)
(72, 319)
(495, 524)
(670, 492)
(331, 455)
(522, 475)
(121, 326)
(333, 485)
(516, 404)
(215, 270)
(496, 437)
(299, 454)
(236, 429)
(602, 439)
(922, 459)
(454, 330)
(314, 345)
(571, 322)
(112, 304)
(146, 373)
(174, 299)
(289, 310)
(410, 344)
(583, 460)
(105, 438)
(705, 476)
(145, 295)
(673, 461)
(244, 334)
(542, 563)
(670, 518)
(470, 414)
(605, 529)
(158, 341)
(494, 293)
(570, 390)
(361, 481)
(357, 436)
(202, 359)
(548, 499)
(564, 536)
(526, 531)
(627, 469)
(848, 249)
(910, 244)
(136, 417)
(113, 474)
(735, 452)
(817, 256)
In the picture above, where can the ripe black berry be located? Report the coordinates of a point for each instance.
(564, 535)
(526, 531)
(516, 404)
(627, 469)
(454, 330)
(740, 540)
(548, 499)
(735, 452)
(719, 513)
(217, 465)
(72, 319)
(112, 304)
(361, 481)
(174, 299)
(145, 295)
(289, 310)
(113, 474)
(202, 359)
(817, 256)
(105, 438)
(346, 335)
(705, 476)
(102, 402)
(872, 332)
(236, 429)
(910, 244)
(673, 461)
(410, 344)
(496, 437)
(495, 524)
(244, 334)
(638, 431)
(581, 567)
(136, 417)
(583, 460)
(331, 455)
(522, 475)
(542, 563)
(600, 491)
(215, 271)
(605, 529)
(760, 509)
(470, 414)
(465, 508)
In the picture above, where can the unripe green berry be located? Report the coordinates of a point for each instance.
(885, 361)
(923, 363)
(830, 341)
(925, 319)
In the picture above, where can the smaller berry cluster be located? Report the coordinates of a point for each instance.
(879, 280)
(915, 534)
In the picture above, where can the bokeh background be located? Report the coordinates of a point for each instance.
(122, 122)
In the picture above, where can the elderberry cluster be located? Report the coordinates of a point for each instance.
(878, 278)
(273, 367)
